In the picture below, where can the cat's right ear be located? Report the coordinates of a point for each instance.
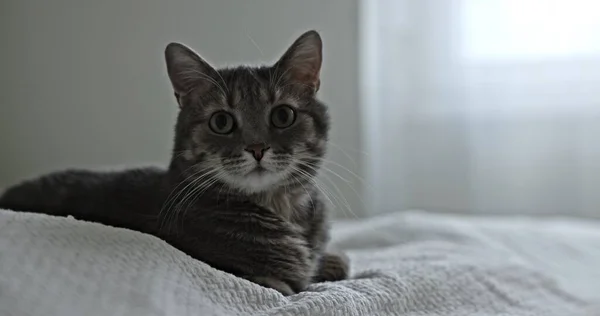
(187, 71)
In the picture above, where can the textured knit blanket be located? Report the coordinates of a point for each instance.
(402, 264)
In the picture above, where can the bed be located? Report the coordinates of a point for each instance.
(406, 263)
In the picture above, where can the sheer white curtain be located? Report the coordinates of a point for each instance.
(482, 106)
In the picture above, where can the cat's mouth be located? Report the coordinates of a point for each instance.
(258, 170)
(257, 178)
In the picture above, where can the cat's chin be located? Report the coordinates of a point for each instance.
(257, 181)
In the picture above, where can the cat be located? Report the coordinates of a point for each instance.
(239, 192)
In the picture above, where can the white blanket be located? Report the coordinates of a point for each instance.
(403, 264)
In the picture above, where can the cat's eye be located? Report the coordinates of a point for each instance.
(222, 123)
(283, 116)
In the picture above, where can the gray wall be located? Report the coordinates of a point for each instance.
(83, 82)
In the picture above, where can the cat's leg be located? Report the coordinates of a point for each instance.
(263, 248)
(332, 267)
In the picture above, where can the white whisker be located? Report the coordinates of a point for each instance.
(339, 192)
(255, 45)
(172, 209)
(198, 193)
(171, 198)
(200, 75)
(310, 179)
(347, 148)
(345, 154)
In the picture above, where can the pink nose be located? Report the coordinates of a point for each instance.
(257, 150)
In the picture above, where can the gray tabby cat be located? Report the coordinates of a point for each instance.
(239, 192)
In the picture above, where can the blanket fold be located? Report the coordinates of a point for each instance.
(411, 263)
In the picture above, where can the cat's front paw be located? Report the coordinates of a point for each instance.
(276, 284)
(332, 267)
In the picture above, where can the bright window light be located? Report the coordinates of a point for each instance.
(526, 29)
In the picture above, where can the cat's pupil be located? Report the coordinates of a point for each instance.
(282, 116)
(221, 121)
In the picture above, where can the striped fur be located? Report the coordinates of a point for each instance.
(269, 226)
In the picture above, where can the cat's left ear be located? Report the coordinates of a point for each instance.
(301, 63)
(188, 71)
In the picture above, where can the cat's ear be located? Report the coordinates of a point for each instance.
(187, 71)
(301, 63)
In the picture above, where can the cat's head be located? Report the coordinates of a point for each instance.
(253, 128)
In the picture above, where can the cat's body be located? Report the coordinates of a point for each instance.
(120, 199)
(239, 192)
(240, 234)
